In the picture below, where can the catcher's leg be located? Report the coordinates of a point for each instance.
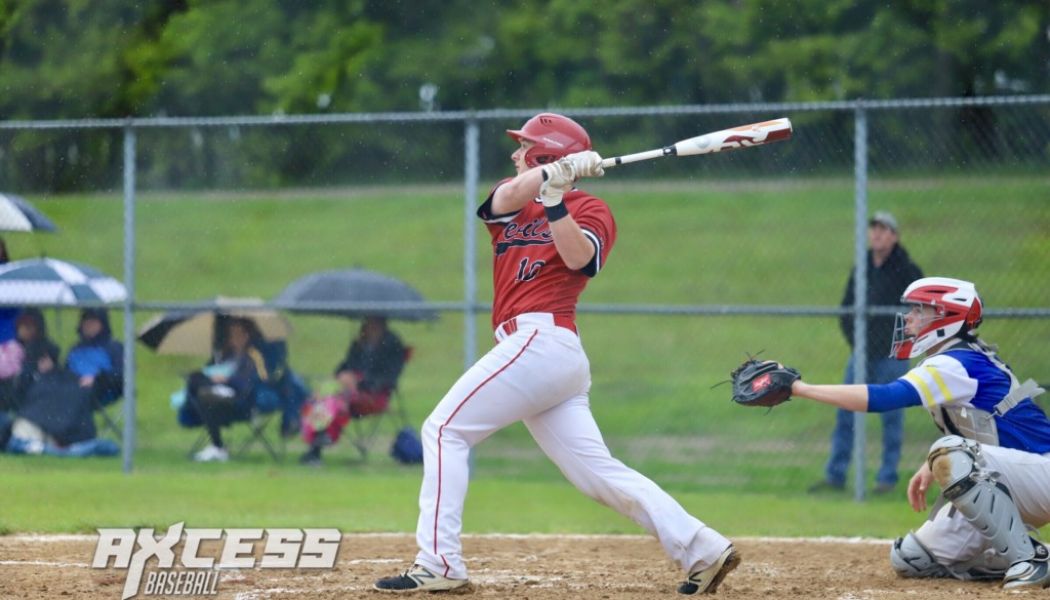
(910, 558)
(974, 491)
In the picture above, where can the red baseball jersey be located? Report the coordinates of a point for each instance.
(528, 274)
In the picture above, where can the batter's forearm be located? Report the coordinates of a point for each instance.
(516, 193)
(575, 249)
(850, 397)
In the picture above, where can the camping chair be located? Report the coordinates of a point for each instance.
(269, 397)
(108, 422)
(364, 431)
(269, 402)
(258, 421)
(102, 407)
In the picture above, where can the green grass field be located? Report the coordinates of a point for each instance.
(786, 242)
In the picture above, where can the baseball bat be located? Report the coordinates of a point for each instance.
(745, 136)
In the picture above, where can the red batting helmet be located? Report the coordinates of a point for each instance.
(553, 136)
(958, 310)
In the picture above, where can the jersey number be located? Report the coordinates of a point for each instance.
(527, 272)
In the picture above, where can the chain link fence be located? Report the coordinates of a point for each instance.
(717, 255)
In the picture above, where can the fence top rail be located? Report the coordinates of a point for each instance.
(494, 114)
(460, 306)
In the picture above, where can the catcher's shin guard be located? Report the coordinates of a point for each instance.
(958, 467)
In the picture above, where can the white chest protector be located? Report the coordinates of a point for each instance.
(974, 423)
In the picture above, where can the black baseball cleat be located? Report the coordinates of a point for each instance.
(705, 581)
(418, 579)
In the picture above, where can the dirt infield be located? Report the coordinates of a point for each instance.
(534, 567)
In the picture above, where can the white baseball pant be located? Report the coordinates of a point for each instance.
(539, 374)
(952, 539)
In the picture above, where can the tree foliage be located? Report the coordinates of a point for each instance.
(110, 58)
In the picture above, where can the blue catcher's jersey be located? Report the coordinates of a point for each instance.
(965, 377)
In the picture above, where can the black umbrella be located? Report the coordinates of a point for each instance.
(194, 331)
(16, 214)
(381, 295)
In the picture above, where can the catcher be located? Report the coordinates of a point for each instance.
(993, 463)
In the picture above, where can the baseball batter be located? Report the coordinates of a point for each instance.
(993, 463)
(549, 239)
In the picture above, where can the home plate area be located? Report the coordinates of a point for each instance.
(534, 567)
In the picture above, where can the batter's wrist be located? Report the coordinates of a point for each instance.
(556, 212)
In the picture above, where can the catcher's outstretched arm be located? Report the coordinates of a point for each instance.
(850, 397)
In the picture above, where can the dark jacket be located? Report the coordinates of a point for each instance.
(100, 357)
(35, 350)
(91, 356)
(379, 365)
(886, 284)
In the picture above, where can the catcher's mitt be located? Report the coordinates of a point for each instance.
(762, 383)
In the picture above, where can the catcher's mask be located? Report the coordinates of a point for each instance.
(957, 310)
(553, 136)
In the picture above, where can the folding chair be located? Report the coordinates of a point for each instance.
(108, 423)
(114, 388)
(268, 401)
(364, 431)
(258, 422)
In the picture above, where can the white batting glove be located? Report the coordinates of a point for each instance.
(551, 193)
(560, 173)
(586, 164)
(558, 178)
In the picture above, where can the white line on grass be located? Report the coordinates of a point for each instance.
(47, 538)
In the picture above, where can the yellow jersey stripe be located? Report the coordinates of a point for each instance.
(940, 383)
(924, 389)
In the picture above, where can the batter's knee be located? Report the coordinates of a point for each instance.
(429, 431)
(911, 559)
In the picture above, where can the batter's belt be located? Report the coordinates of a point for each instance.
(534, 320)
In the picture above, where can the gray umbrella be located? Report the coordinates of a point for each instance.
(374, 294)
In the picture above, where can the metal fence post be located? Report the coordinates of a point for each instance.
(128, 444)
(470, 279)
(860, 287)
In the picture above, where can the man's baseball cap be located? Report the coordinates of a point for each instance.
(884, 218)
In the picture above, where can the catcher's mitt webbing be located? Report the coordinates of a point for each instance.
(762, 383)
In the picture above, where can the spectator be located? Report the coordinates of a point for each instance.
(55, 410)
(31, 333)
(223, 391)
(12, 354)
(890, 270)
(367, 376)
(97, 359)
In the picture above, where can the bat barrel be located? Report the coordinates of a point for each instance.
(745, 136)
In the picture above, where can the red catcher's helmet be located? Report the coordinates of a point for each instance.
(553, 136)
(958, 310)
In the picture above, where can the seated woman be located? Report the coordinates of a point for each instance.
(12, 354)
(55, 410)
(12, 357)
(31, 334)
(366, 377)
(222, 392)
(97, 359)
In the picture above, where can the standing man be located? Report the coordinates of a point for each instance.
(549, 239)
(890, 270)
